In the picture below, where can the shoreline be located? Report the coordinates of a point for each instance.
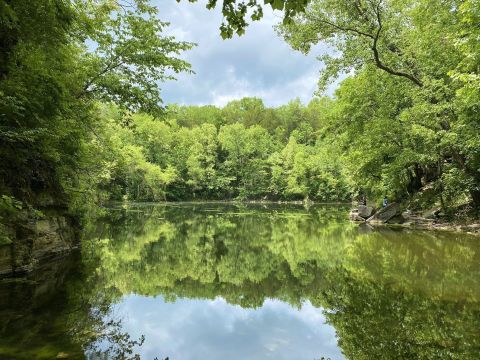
(471, 229)
(393, 216)
(230, 201)
(413, 223)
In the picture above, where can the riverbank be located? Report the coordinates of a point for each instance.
(426, 224)
(37, 239)
(412, 222)
(392, 216)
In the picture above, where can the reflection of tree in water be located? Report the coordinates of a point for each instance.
(53, 313)
(90, 318)
(376, 321)
(93, 324)
(388, 295)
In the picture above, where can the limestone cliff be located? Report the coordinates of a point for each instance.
(36, 240)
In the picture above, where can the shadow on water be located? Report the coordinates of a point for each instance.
(388, 294)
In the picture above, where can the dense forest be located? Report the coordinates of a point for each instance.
(241, 151)
(82, 120)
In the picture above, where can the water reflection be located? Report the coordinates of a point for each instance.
(223, 281)
(214, 329)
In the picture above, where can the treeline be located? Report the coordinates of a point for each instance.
(78, 78)
(242, 151)
(407, 116)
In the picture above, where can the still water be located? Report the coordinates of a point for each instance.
(217, 281)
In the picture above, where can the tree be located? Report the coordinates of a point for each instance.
(130, 56)
(58, 59)
(202, 164)
(235, 12)
(246, 152)
(416, 44)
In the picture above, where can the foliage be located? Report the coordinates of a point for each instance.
(235, 12)
(406, 117)
(140, 157)
(58, 59)
(83, 121)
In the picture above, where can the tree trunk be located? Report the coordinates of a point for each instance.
(475, 194)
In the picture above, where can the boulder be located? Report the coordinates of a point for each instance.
(432, 213)
(385, 214)
(397, 219)
(365, 211)
(354, 216)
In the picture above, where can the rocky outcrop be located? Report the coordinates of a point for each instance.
(385, 214)
(390, 213)
(36, 240)
(365, 211)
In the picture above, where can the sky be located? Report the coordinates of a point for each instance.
(216, 330)
(258, 63)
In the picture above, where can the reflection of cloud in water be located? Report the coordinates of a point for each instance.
(214, 329)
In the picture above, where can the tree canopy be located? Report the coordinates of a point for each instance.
(236, 12)
(82, 114)
(403, 106)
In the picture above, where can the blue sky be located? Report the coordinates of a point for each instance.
(215, 330)
(257, 64)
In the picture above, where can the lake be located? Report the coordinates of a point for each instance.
(247, 281)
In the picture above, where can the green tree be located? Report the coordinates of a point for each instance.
(417, 46)
(246, 152)
(58, 59)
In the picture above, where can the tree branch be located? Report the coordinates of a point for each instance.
(376, 54)
(346, 29)
(111, 66)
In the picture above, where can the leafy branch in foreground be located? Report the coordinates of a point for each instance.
(235, 13)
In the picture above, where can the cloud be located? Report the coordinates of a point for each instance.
(257, 64)
(214, 329)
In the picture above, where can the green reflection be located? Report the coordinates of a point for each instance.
(389, 294)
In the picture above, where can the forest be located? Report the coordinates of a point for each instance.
(83, 122)
(135, 227)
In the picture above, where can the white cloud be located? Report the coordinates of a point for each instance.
(256, 64)
(191, 329)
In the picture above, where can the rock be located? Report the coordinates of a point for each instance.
(37, 239)
(365, 211)
(62, 355)
(431, 213)
(357, 218)
(398, 219)
(385, 214)
(473, 228)
(354, 216)
(5, 260)
(407, 215)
